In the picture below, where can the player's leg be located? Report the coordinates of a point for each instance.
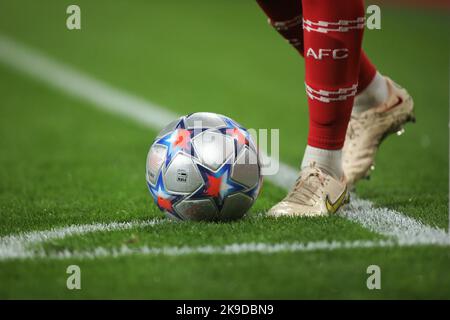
(286, 17)
(380, 108)
(332, 34)
(366, 96)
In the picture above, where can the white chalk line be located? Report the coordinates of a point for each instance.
(393, 224)
(388, 222)
(30, 245)
(230, 249)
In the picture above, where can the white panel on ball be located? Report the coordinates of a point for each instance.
(213, 148)
(204, 120)
(182, 175)
(246, 169)
(155, 160)
(198, 209)
(235, 206)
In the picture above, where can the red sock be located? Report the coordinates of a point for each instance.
(286, 17)
(332, 34)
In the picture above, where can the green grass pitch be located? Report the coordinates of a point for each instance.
(63, 162)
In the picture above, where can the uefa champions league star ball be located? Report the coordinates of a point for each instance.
(204, 166)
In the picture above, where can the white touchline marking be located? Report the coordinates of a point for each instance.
(103, 96)
(393, 224)
(28, 244)
(228, 249)
(80, 85)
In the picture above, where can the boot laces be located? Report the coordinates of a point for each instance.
(305, 191)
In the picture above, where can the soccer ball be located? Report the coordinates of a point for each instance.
(204, 166)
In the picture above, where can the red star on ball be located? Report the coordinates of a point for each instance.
(165, 204)
(181, 139)
(238, 135)
(213, 188)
